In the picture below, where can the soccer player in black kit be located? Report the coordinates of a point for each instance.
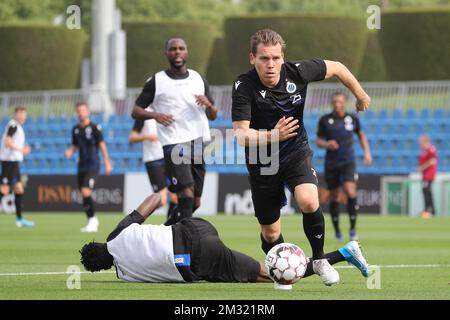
(267, 108)
(87, 137)
(335, 134)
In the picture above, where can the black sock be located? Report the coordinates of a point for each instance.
(334, 212)
(185, 206)
(18, 203)
(88, 205)
(352, 212)
(266, 246)
(171, 209)
(173, 216)
(332, 257)
(314, 227)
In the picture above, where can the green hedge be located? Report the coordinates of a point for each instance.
(38, 57)
(219, 72)
(416, 45)
(373, 67)
(307, 36)
(145, 47)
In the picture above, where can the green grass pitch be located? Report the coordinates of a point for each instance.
(414, 256)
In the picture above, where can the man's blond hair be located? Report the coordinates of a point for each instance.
(267, 37)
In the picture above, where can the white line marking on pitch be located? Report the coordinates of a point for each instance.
(391, 266)
(47, 273)
(388, 266)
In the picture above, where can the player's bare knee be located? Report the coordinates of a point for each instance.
(309, 205)
(4, 189)
(86, 192)
(271, 234)
(350, 192)
(18, 189)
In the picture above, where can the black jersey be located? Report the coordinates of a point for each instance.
(87, 140)
(264, 107)
(342, 130)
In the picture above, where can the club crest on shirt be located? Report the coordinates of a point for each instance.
(291, 87)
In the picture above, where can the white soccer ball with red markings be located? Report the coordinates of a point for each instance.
(286, 263)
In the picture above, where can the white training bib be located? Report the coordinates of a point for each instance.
(144, 253)
(18, 139)
(177, 97)
(151, 150)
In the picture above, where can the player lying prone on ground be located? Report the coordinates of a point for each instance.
(187, 251)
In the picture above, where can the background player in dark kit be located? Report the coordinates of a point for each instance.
(195, 252)
(181, 104)
(87, 138)
(271, 97)
(335, 133)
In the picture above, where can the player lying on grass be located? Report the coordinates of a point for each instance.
(187, 251)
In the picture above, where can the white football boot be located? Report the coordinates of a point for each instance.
(92, 225)
(326, 272)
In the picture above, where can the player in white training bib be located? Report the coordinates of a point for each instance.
(12, 151)
(181, 105)
(190, 250)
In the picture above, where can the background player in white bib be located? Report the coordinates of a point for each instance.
(12, 151)
(268, 103)
(182, 106)
(153, 157)
(190, 250)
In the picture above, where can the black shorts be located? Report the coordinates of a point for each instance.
(338, 174)
(211, 259)
(156, 171)
(188, 169)
(10, 173)
(268, 190)
(87, 179)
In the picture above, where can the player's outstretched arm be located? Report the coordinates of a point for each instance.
(149, 205)
(145, 209)
(340, 71)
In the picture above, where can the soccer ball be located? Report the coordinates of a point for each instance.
(286, 263)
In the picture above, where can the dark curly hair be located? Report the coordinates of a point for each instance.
(95, 257)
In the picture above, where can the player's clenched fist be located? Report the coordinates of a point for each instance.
(362, 103)
(287, 128)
